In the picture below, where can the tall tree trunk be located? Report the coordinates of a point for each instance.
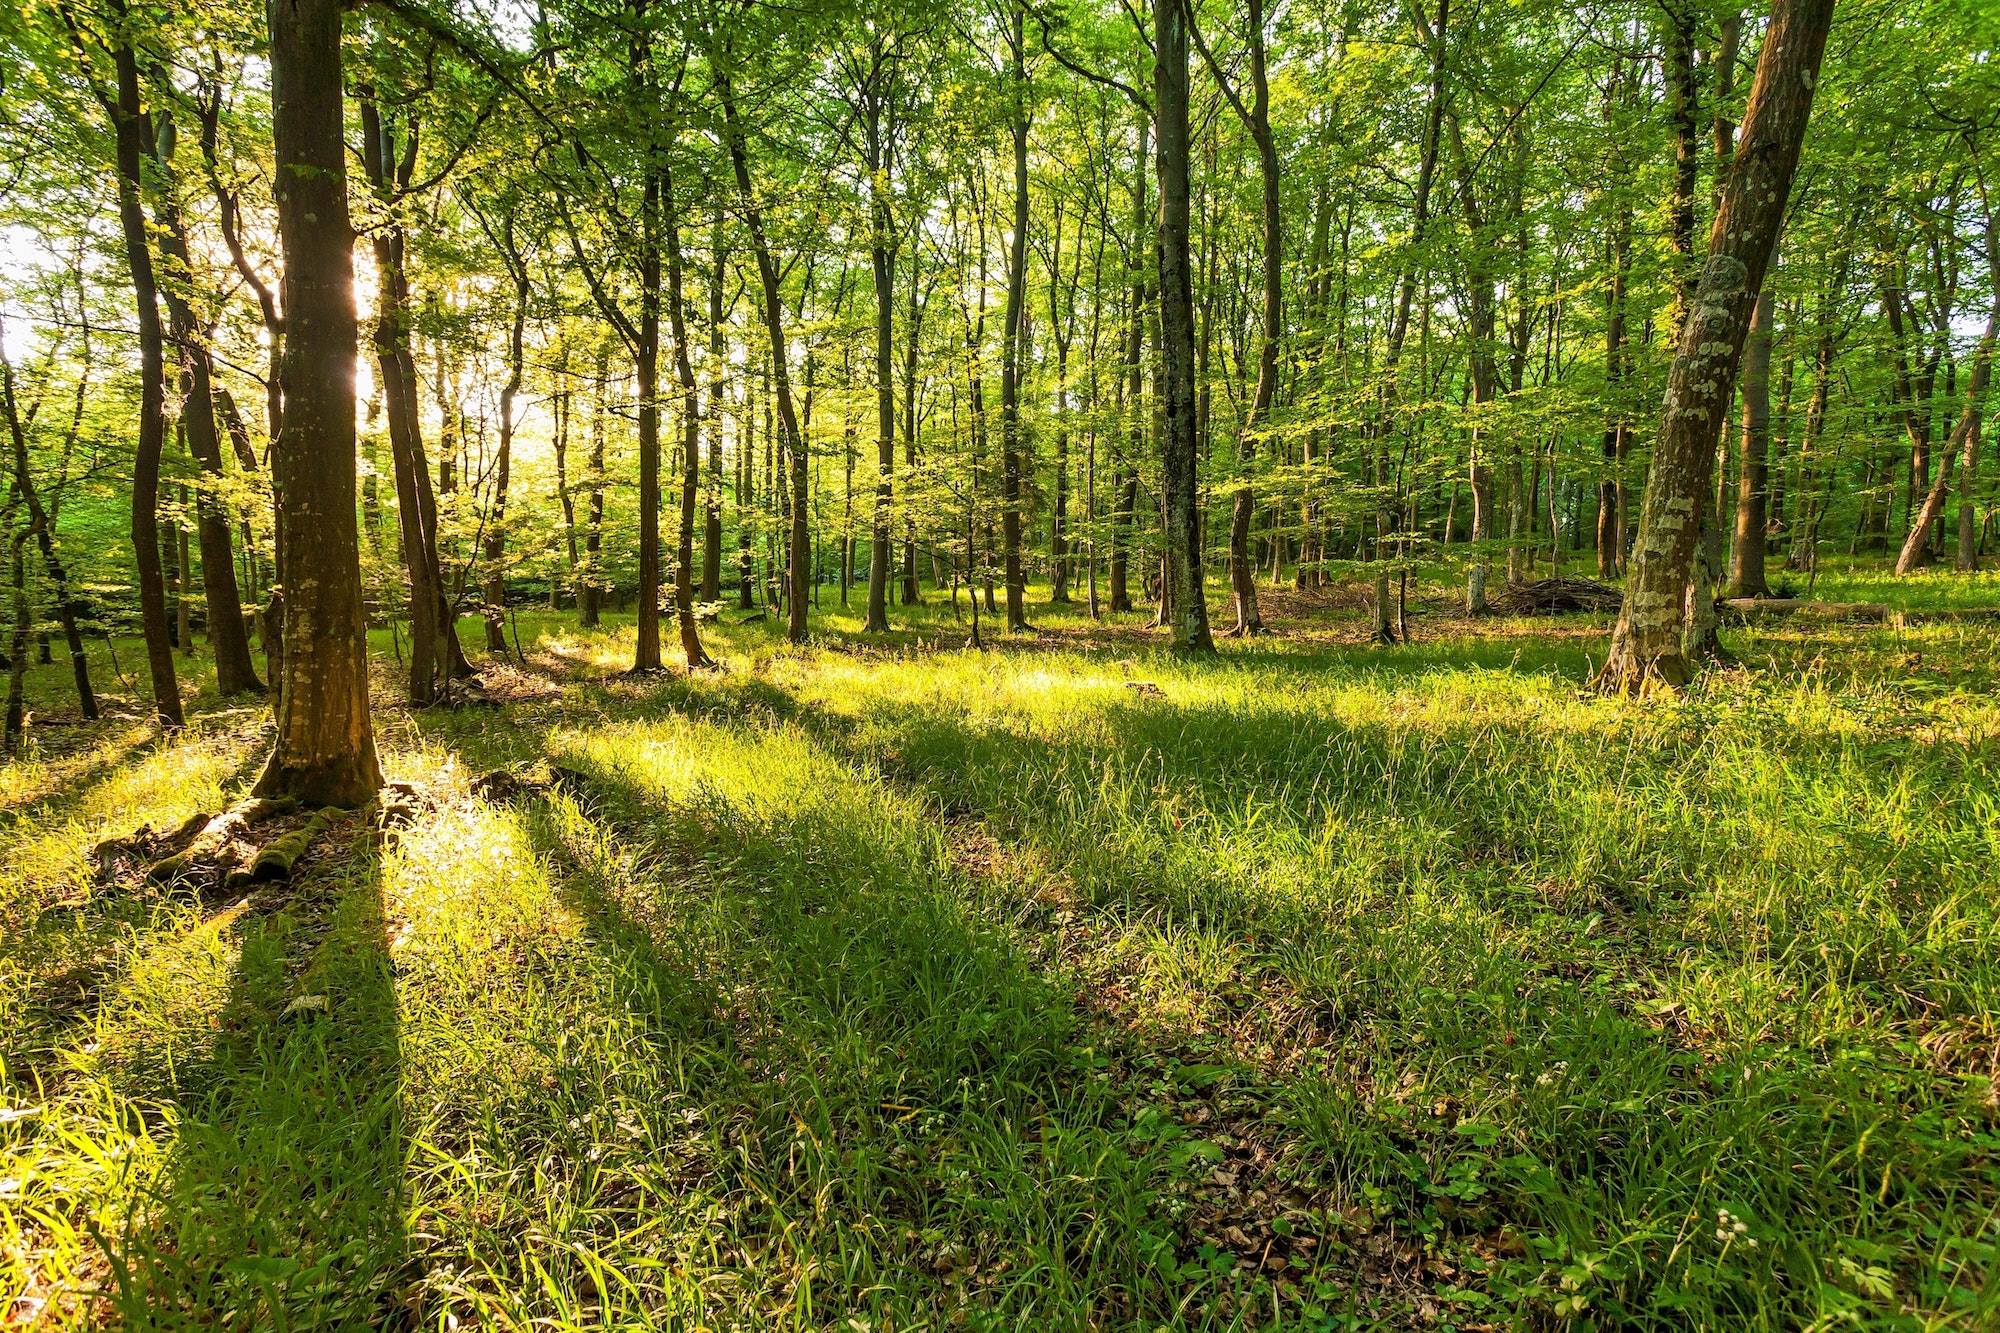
(1178, 460)
(416, 503)
(646, 364)
(1646, 649)
(1965, 435)
(130, 122)
(495, 591)
(912, 344)
(1481, 315)
(789, 438)
(1747, 578)
(711, 547)
(1701, 639)
(590, 591)
(1385, 629)
(690, 436)
(17, 645)
(882, 265)
(325, 749)
(1011, 340)
(1257, 119)
(234, 673)
(41, 527)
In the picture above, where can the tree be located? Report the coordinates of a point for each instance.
(1177, 366)
(1646, 650)
(325, 749)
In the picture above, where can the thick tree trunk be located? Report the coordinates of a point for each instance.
(130, 122)
(1178, 460)
(1747, 577)
(325, 750)
(1646, 649)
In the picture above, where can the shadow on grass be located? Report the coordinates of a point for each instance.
(887, 1092)
(281, 1200)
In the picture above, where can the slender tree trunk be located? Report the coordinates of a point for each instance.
(697, 657)
(1646, 649)
(1747, 578)
(131, 124)
(1011, 345)
(234, 673)
(41, 524)
(711, 546)
(789, 437)
(1965, 435)
(416, 504)
(646, 362)
(17, 646)
(590, 591)
(882, 265)
(495, 591)
(325, 750)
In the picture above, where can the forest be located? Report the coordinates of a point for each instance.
(866, 666)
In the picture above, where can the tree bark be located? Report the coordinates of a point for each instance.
(1177, 369)
(882, 265)
(41, 525)
(495, 590)
(711, 549)
(691, 647)
(416, 502)
(1747, 577)
(789, 438)
(130, 122)
(1011, 339)
(1646, 650)
(1965, 435)
(227, 637)
(325, 750)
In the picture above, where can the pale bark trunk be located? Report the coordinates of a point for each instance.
(1646, 649)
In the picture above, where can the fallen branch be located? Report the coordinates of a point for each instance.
(1550, 596)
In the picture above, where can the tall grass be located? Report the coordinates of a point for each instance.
(920, 988)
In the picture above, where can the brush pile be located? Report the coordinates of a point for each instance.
(1548, 597)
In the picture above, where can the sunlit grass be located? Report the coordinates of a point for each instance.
(1056, 986)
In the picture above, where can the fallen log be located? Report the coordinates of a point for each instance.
(1961, 615)
(1748, 607)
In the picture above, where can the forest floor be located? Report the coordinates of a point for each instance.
(1065, 985)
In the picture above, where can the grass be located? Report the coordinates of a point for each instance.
(900, 986)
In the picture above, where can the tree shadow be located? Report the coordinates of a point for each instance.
(280, 1200)
(883, 1086)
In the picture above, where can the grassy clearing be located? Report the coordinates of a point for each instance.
(908, 987)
